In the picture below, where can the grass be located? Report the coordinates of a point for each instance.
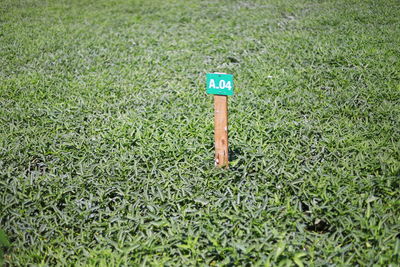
(106, 133)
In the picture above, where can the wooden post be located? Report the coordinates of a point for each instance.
(221, 130)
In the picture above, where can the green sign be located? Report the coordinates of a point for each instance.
(219, 84)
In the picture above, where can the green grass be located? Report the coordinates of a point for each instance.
(106, 133)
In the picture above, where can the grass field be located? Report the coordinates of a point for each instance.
(106, 133)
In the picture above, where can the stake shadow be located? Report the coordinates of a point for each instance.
(234, 153)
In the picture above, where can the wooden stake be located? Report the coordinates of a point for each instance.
(221, 130)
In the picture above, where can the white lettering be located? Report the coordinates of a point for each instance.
(222, 84)
(212, 83)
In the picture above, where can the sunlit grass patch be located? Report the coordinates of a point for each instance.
(106, 134)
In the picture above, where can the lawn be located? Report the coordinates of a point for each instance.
(106, 133)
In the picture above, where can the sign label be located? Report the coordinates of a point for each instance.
(219, 84)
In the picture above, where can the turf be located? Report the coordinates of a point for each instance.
(106, 133)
